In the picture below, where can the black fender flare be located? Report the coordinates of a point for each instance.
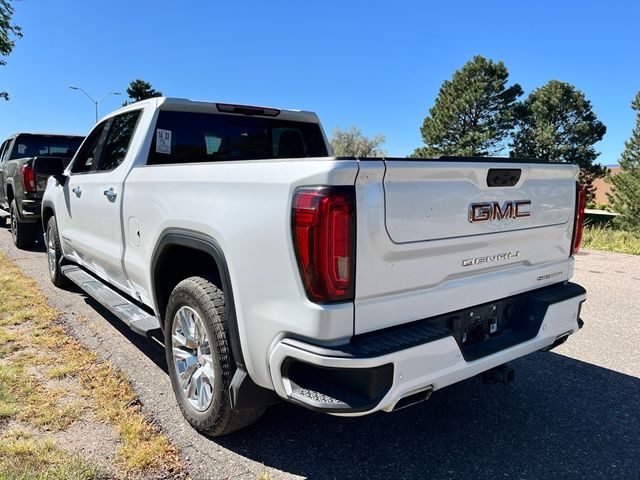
(205, 243)
(9, 183)
(46, 204)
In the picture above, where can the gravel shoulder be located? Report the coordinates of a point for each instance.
(572, 413)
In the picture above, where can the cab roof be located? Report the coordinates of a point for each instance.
(43, 134)
(225, 108)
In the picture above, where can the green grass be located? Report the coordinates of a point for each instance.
(611, 240)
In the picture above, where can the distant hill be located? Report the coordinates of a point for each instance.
(602, 187)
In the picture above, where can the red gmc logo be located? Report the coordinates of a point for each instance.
(511, 209)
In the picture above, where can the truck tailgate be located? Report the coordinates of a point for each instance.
(439, 236)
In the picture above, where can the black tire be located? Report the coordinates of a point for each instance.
(3, 221)
(54, 254)
(199, 297)
(22, 234)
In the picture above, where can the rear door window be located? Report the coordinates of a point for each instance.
(186, 137)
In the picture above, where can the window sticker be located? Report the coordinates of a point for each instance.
(22, 149)
(163, 141)
(213, 144)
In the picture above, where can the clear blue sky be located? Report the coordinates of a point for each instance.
(375, 64)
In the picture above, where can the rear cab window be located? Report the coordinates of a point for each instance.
(29, 145)
(187, 137)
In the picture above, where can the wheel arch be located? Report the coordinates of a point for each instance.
(47, 212)
(9, 191)
(187, 240)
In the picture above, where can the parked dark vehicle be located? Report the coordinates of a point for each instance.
(26, 161)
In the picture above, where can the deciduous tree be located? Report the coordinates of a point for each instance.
(353, 143)
(9, 32)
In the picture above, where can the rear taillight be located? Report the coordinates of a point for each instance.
(323, 223)
(579, 221)
(28, 179)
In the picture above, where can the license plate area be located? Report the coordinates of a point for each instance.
(491, 327)
(483, 322)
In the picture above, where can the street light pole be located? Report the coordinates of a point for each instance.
(95, 102)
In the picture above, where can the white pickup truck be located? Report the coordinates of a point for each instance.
(276, 271)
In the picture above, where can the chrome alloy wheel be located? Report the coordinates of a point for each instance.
(51, 254)
(192, 360)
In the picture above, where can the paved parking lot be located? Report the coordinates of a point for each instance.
(572, 413)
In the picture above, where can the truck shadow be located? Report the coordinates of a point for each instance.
(562, 418)
(38, 246)
(152, 347)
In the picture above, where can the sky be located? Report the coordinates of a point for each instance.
(374, 64)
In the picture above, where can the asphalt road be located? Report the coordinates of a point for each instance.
(572, 413)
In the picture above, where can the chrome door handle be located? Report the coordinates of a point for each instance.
(110, 194)
(77, 191)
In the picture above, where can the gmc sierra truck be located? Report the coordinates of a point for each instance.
(276, 271)
(26, 160)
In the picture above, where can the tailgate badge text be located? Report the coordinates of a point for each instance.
(487, 211)
(490, 258)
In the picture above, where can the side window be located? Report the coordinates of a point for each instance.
(6, 150)
(89, 151)
(118, 139)
(2, 148)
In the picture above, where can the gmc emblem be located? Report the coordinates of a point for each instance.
(484, 212)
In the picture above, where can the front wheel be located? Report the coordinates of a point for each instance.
(199, 358)
(54, 254)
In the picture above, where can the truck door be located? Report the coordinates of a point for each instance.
(94, 195)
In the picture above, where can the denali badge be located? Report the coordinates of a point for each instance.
(490, 259)
(482, 212)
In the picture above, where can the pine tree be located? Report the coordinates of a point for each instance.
(140, 90)
(556, 123)
(625, 196)
(473, 113)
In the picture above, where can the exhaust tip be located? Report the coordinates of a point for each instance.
(413, 398)
(557, 342)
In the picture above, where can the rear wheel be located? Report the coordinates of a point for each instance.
(199, 358)
(54, 254)
(22, 234)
